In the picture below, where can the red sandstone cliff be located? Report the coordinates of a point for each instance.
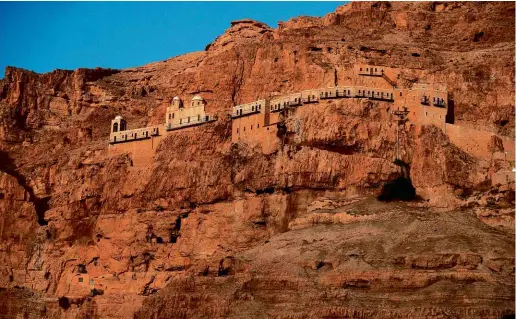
(280, 235)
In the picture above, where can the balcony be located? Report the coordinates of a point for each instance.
(310, 99)
(382, 96)
(329, 94)
(192, 122)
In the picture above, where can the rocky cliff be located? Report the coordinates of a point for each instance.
(214, 229)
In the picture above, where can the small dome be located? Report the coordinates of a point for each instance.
(176, 98)
(119, 117)
(197, 98)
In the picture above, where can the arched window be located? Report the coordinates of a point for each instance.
(115, 127)
(257, 125)
(173, 115)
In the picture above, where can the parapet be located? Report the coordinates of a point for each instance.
(259, 106)
(281, 102)
(190, 121)
(310, 96)
(133, 135)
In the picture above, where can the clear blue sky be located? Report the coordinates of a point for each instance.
(43, 36)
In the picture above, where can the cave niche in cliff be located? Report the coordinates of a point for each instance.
(400, 188)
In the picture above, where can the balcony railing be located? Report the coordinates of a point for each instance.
(192, 122)
(242, 112)
(133, 135)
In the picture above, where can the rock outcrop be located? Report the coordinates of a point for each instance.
(214, 229)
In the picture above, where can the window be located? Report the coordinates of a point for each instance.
(80, 279)
(257, 125)
(114, 139)
(237, 130)
(199, 117)
(375, 69)
(252, 108)
(115, 127)
(135, 135)
(188, 119)
(426, 113)
(360, 69)
(367, 69)
(147, 134)
(173, 115)
(170, 116)
(401, 94)
(244, 128)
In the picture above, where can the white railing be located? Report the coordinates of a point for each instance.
(249, 108)
(191, 122)
(134, 134)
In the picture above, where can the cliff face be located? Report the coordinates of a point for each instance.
(212, 229)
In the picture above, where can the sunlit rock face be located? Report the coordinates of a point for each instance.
(207, 228)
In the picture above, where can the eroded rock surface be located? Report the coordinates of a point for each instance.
(211, 229)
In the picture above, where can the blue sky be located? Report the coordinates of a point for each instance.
(43, 36)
